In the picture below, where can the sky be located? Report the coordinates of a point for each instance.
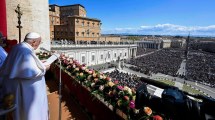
(151, 17)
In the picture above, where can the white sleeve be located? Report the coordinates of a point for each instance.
(25, 67)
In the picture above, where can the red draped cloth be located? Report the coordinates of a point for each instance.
(3, 18)
(9, 45)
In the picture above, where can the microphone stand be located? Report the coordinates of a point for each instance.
(60, 83)
(60, 96)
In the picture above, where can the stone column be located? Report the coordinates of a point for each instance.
(158, 45)
(135, 52)
(129, 52)
(3, 19)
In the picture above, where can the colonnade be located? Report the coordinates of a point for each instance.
(149, 45)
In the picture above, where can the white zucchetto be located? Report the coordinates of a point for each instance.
(32, 35)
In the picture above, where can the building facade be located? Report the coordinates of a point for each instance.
(110, 38)
(178, 43)
(54, 18)
(150, 44)
(97, 54)
(75, 26)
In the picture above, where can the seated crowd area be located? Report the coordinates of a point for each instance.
(125, 79)
(201, 67)
(166, 61)
(141, 51)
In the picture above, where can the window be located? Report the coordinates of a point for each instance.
(83, 59)
(115, 55)
(93, 57)
(77, 33)
(83, 34)
(125, 54)
(93, 34)
(77, 21)
(108, 55)
(83, 23)
(101, 57)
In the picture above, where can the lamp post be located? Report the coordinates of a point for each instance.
(19, 14)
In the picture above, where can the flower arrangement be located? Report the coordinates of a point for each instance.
(43, 55)
(120, 97)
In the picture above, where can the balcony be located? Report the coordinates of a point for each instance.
(96, 93)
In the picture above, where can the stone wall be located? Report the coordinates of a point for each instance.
(35, 18)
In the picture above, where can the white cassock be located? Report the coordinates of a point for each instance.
(23, 75)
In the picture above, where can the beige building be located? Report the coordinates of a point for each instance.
(54, 18)
(78, 28)
(75, 26)
(166, 43)
(110, 38)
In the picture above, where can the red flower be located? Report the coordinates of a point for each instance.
(116, 81)
(120, 87)
(108, 78)
(126, 98)
(157, 117)
(132, 104)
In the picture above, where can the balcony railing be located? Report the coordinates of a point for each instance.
(98, 94)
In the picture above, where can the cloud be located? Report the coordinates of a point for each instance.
(165, 29)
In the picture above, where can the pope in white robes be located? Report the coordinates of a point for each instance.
(23, 75)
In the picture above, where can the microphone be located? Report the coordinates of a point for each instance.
(43, 49)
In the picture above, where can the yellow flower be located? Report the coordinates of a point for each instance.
(87, 70)
(111, 84)
(94, 75)
(96, 79)
(125, 88)
(81, 74)
(134, 97)
(76, 69)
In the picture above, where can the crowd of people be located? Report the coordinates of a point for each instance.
(166, 61)
(125, 79)
(141, 51)
(201, 67)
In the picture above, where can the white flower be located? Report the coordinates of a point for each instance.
(101, 88)
(126, 88)
(92, 84)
